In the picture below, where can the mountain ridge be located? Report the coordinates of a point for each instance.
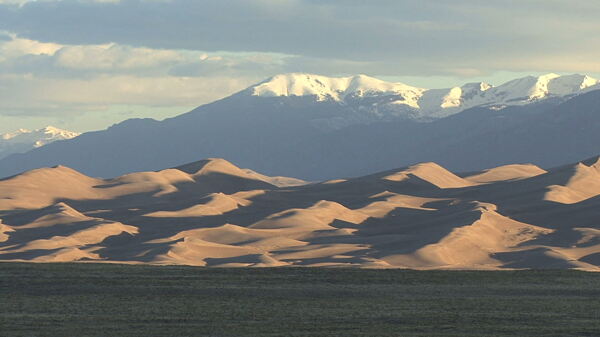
(317, 140)
(433, 103)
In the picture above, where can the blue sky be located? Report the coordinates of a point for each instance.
(84, 64)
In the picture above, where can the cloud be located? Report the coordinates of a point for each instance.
(21, 55)
(114, 57)
(48, 80)
(433, 36)
(69, 96)
(13, 2)
(17, 47)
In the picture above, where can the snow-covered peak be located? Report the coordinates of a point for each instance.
(524, 89)
(364, 86)
(571, 84)
(333, 88)
(40, 136)
(371, 99)
(23, 140)
(443, 102)
(527, 89)
(54, 133)
(10, 135)
(436, 103)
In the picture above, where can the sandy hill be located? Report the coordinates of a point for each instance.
(213, 213)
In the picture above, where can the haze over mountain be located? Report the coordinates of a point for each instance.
(316, 127)
(212, 213)
(24, 140)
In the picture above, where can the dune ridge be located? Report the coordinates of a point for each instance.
(212, 213)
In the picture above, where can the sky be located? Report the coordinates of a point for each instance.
(86, 64)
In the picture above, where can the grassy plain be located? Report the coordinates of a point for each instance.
(140, 300)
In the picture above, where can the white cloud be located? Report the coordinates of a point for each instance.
(30, 95)
(17, 56)
(18, 47)
(112, 56)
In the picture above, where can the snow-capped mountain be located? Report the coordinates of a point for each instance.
(336, 89)
(376, 100)
(24, 140)
(316, 127)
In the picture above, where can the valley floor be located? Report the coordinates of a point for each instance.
(89, 299)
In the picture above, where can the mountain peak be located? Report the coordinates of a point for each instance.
(53, 129)
(532, 88)
(329, 88)
(385, 100)
(48, 130)
(23, 140)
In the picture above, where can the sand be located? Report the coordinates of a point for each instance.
(212, 213)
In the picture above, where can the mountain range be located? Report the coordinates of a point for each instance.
(24, 140)
(316, 128)
(212, 213)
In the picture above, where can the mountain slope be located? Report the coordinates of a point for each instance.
(349, 127)
(212, 213)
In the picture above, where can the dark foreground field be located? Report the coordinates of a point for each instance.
(118, 300)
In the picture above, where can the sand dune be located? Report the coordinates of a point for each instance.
(319, 216)
(88, 236)
(505, 173)
(216, 204)
(212, 213)
(430, 173)
(43, 187)
(474, 244)
(582, 181)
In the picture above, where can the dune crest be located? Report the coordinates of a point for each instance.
(505, 173)
(582, 181)
(216, 204)
(431, 173)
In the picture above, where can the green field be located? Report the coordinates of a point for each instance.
(118, 300)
